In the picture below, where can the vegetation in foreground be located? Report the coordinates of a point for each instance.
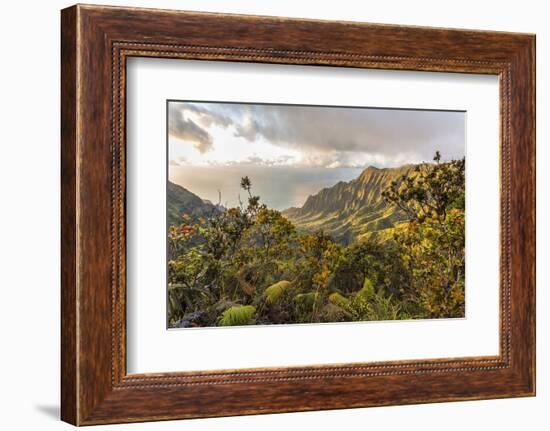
(250, 265)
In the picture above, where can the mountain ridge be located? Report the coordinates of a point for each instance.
(347, 211)
(181, 201)
(354, 209)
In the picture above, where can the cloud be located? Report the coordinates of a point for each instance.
(259, 161)
(382, 133)
(206, 117)
(327, 136)
(187, 130)
(291, 151)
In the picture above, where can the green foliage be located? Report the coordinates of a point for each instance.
(238, 315)
(339, 300)
(274, 292)
(431, 191)
(356, 209)
(367, 291)
(249, 264)
(307, 300)
(368, 304)
(181, 201)
(432, 243)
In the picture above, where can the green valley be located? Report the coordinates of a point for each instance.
(387, 245)
(353, 210)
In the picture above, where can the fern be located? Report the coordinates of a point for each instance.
(238, 315)
(274, 292)
(367, 291)
(383, 308)
(339, 300)
(374, 305)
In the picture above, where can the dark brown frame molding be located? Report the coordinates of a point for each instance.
(95, 43)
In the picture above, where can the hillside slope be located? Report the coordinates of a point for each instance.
(180, 201)
(352, 210)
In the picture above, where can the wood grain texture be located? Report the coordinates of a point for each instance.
(96, 41)
(69, 397)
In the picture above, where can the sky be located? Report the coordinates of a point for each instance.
(292, 151)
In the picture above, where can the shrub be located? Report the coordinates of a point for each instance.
(274, 292)
(237, 316)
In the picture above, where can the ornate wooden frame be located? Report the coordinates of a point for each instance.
(95, 42)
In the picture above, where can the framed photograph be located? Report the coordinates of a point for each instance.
(265, 215)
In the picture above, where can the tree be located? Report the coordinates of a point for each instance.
(249, 264)
(430, 191)
(377, 261)
(272, 230)
(432, 243)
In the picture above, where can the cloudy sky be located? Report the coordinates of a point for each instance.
(292, 151)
